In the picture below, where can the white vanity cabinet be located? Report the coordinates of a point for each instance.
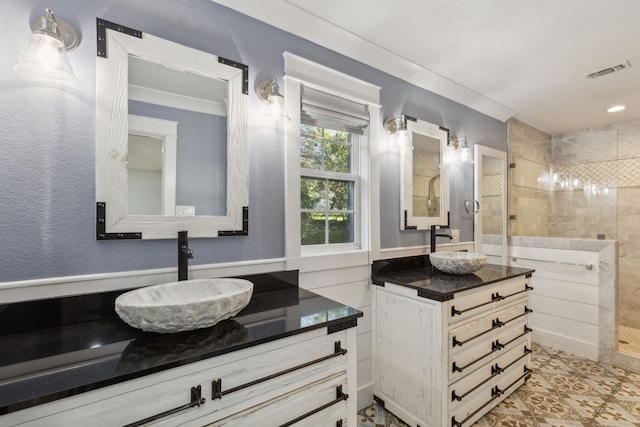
(447, 363)
(306, 379)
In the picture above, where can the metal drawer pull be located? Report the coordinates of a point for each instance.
(455, 423)
(196, 400)
(454, 396)
(456, 368)
(455, 341)
(495, 346)
(494, 297)
(526, 331)
(216, 385)
(340, 396)
(496, 392)
(526, 352)
(526, 289)
(454, 311)
(497, 321)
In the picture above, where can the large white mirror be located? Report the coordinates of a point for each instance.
(424, 185)
(490, 193)
(171, 150)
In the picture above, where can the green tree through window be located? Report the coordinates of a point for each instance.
(327, 186)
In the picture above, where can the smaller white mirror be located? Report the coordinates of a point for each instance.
(490, 193)
(424, 180)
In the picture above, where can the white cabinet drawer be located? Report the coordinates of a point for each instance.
(248, 377)
(464, 360)
(488, 372)
(479, 399)
(322, 403)
(487, 326)
(481, 300)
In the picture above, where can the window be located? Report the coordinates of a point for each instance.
(331, 147)
(330, 131)
(329, 186)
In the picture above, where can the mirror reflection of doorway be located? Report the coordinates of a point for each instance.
(151, 166)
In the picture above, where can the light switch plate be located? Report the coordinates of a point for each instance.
(455, 235)
(185, 210)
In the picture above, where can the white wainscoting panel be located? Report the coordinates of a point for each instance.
(348, 284)
(570, 294)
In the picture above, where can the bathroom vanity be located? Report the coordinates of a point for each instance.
(288, 358)
(448, 348)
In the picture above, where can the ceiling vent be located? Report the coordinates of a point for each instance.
(609, 70)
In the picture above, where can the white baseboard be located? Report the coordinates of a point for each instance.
(564, 343)
(365, 395)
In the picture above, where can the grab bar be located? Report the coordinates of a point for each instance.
(587, 266)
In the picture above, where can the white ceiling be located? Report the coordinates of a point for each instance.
(505, 58)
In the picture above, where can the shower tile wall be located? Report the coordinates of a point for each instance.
(492, 204)
(530, 152)
(610, 157)
(628, 224)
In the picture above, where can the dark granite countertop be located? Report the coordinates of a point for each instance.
(65, 346)
(416, 272)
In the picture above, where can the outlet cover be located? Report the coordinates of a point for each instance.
(455, 235)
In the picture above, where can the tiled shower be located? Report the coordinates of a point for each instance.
(583, 185)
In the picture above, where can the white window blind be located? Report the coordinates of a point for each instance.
(324, 110)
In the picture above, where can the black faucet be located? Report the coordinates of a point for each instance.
(434, 235)
(184, 253)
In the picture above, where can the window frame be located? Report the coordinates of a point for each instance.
(355, 177)
(301, 72)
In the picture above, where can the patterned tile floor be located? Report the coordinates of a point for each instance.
(564, 391)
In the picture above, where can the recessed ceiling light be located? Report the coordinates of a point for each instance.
(615, 108)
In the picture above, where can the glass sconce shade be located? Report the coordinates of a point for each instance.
(46, 56)
(46, 53)
(269, 93)
(465, 155)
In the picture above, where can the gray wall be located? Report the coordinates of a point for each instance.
(47, 136)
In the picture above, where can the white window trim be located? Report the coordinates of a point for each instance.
(300, 71)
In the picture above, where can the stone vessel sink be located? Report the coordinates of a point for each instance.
(183, 306)
(457, 262)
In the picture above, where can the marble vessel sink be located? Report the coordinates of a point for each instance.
(183, 306)
(457, 262)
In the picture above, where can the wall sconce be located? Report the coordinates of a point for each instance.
(464, 151)
(269, 93)
(398, 124)
(46, 53)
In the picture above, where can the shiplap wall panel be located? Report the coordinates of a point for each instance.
(565, 298)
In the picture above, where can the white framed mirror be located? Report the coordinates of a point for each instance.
(490, 193)
(196, 177)
(424, 176)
